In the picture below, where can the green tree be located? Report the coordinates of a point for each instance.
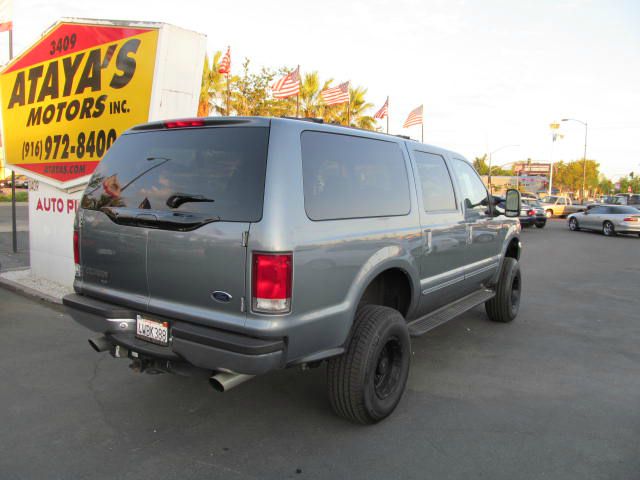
(311, 104)
(212, 88)
(482, 167)
(568, 176)
(630, 181)
(357, 107)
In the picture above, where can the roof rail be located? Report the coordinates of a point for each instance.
(304, 119)
(406, 137)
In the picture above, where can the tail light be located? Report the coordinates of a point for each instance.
(631, 219)
(195, 122)
(271, 282)
(531, 213)
(76, 247)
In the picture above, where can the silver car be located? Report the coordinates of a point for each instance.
(608, 219)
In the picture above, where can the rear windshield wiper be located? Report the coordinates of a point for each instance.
(177, 199)
(180, 221)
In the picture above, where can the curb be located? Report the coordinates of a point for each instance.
(28, 292)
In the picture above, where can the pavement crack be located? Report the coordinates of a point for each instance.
(96, 395)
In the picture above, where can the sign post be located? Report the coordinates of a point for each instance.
(66, 100)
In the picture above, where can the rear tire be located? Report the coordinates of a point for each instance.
(505, 305)
(608, 229)
(541, 224)
(366, 383)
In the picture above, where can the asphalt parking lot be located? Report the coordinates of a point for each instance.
(555, 395)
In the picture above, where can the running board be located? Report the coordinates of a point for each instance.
(449, 312)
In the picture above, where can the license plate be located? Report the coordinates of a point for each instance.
(152, 331)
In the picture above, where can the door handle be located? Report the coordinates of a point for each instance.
(428, 241)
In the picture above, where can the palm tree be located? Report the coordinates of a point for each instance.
(357, 105)
(311, 104)
(212, 88)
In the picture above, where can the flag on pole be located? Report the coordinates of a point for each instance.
(287, 86)
(384, 111)
(414, 118)
(336, 95)
(225, 63)
(6, 15)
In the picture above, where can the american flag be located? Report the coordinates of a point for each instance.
(287, 86)
(6, 15)
(225, 63)
(384, 111)
(414, 118)
(336, 95)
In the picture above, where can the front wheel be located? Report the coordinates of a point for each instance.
(505, 305)
(608, 229)
(573, 225)
(366, 383)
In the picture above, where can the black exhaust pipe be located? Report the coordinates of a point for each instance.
(100, 344)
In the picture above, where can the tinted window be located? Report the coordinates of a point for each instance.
(173, 169)
(598, 210)
(352, 177)
(437, 189)
(474, 193)
(624, 210)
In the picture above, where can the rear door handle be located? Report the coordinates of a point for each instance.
(428, 241)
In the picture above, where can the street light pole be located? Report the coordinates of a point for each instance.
(584, 156)
(490, 158)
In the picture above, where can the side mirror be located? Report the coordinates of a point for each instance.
(512, 203)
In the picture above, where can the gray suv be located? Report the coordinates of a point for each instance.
(245, 245)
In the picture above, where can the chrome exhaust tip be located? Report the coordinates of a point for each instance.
(100, 344)
(225, 381)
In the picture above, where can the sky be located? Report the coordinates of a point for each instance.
(491, 74)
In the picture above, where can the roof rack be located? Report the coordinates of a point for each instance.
(304, 119)
(406, 137)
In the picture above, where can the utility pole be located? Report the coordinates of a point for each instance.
(14, 229)
(584, 156)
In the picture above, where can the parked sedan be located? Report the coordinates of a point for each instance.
(608, 219)
(532, 213)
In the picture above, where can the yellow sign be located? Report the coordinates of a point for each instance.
(66, 100)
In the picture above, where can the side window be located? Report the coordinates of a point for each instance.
(346, 176)
(437, 189)
(474, 193)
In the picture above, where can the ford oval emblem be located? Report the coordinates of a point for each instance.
(220, 296)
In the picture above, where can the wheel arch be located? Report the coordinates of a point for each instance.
(511, 248)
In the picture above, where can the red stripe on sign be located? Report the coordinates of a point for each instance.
(68, 38)
(61, 171)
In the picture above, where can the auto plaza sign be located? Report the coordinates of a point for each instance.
(67, 99)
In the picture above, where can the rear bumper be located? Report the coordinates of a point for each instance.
(627, 227)
(526, 221)
(202, 347)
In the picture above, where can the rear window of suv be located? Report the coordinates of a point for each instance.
(346, 176)
(215, 171)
